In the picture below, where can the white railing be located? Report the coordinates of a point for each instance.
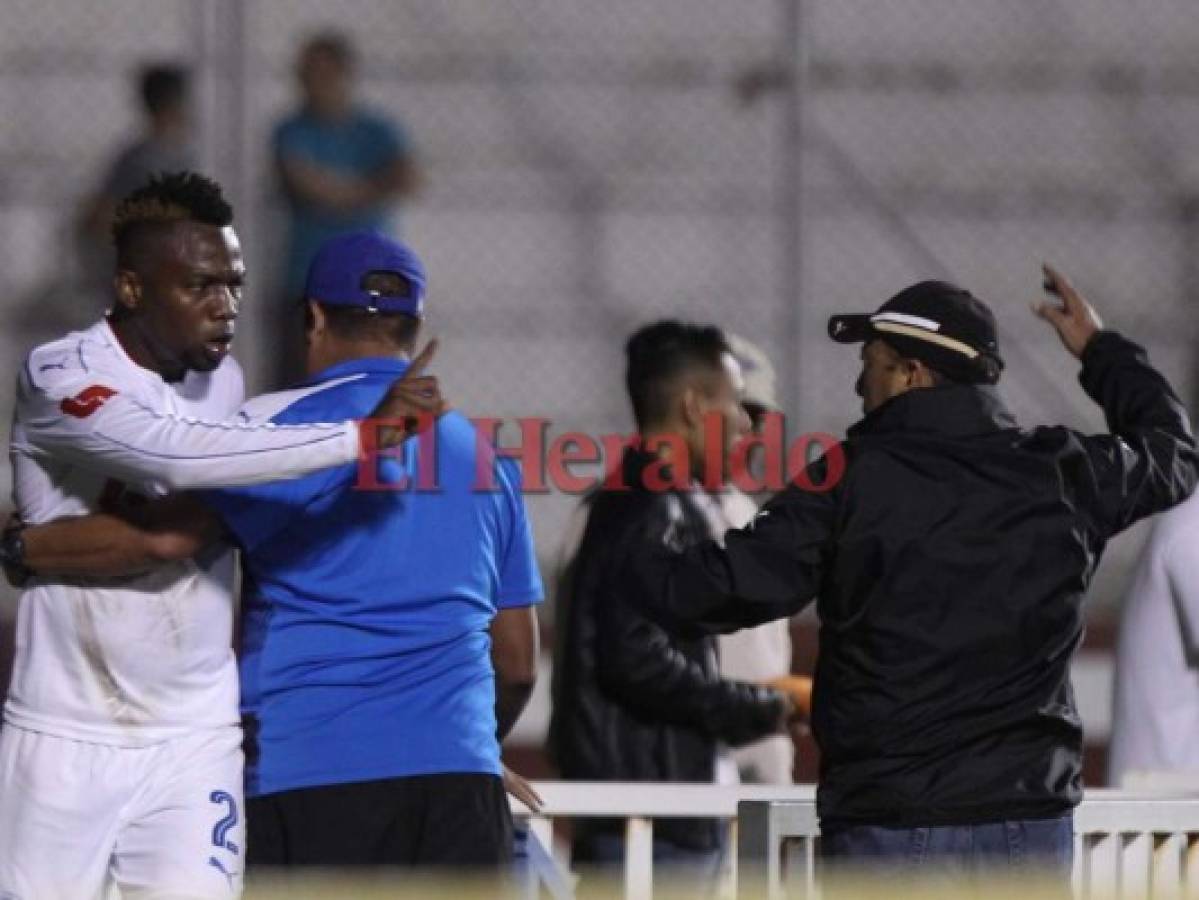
(639, 803)
(1126, 844)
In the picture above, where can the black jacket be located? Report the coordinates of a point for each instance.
(631, 702)
(950, 563)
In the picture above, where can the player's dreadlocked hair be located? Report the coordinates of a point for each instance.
(165, 199)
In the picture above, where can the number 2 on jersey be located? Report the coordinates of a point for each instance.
(222, 828)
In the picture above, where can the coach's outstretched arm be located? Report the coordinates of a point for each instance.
(640, 666)
(771, 569)
(76, 413)
(1148, 463)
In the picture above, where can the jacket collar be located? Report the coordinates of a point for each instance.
(636, 460)
(956, 410)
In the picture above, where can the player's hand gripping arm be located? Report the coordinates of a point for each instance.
(98, 427)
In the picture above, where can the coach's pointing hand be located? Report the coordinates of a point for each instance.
(1075, 320)
(411, 403)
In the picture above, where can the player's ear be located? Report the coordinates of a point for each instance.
(919, 375)
(691, 406)
(128, 289)
(315, 321)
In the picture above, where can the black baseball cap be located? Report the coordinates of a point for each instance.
(938, 323)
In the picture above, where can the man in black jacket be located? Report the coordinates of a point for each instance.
(949, 562)
(631, 702)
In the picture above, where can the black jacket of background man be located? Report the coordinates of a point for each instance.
(950, 563)
(630, 701)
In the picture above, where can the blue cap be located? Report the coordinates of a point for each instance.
(339, 269)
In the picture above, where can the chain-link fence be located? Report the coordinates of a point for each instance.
(589, 167)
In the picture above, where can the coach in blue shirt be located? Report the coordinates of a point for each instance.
(367, 682)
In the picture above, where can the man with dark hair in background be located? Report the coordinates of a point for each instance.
(949, 562)
(389, 638)
(120, 756)
(341, 166)
(165, 145)
(630, 701)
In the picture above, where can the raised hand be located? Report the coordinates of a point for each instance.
(1075, 320)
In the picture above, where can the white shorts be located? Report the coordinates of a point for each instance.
(78, 819)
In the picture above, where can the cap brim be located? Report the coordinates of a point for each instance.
(850, 329)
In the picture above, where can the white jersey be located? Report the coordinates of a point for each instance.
(137, 660)
(1155, 727)
(764, 651)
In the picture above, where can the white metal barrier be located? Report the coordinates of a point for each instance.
(1126, 844)
(639, 803)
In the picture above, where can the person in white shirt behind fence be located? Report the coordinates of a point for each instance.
(1155, 725)
(762, 653)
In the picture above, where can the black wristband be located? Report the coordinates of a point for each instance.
(12, 553)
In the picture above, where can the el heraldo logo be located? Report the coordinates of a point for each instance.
(87, 401)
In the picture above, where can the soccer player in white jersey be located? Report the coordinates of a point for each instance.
(120, 754)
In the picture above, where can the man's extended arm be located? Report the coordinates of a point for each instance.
(1149, 462)
(107, 544)
(84, 419)
(641, 664)
(771, 569)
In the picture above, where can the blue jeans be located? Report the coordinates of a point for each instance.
(1033, 845)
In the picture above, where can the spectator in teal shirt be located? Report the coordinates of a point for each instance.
(341, 168)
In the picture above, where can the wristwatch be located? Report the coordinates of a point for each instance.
(12, 554)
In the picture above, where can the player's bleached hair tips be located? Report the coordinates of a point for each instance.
(164, 200)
